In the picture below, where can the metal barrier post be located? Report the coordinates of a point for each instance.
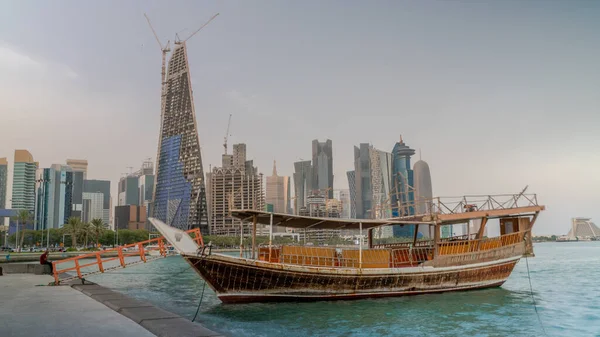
(77, 268)
(121, 259)
(161, 247)
(99, 259)
(142, 252)
(55, 273)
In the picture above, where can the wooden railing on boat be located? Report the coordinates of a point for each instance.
(396, 255)
(469, 246)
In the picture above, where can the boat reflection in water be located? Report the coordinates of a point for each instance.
(417, 266)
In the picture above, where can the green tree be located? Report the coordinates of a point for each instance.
(23, 217)
(74, 227)
(107, 238)
(86, 231)
(98, 227)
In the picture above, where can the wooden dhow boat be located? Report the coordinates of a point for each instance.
(420, 265)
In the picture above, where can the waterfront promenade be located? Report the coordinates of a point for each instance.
(31, 308)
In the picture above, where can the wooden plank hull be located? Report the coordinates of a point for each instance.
(237, 280)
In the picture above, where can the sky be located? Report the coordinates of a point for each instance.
(496, 95)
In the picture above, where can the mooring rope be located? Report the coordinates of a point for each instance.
(533, 298)
(199, 303)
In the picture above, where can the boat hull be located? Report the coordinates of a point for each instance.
(237, 280)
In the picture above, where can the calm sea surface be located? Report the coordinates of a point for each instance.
(566, 288)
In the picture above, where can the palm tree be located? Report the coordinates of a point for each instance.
(22, 218)
(98, 227)
(74, 227)
(85, 231)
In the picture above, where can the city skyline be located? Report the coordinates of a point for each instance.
(456, 85)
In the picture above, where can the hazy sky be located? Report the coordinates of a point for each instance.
(497, 95)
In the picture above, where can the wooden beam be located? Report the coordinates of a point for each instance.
(482, 228)
(488, 213)
(254, 236)
(436, 240)
(415, 235)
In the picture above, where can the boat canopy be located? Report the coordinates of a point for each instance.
(307, 222)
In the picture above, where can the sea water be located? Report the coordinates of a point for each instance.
(566, 288)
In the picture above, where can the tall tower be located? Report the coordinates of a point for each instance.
(363, 186)
(352, 191)
(278, 192)
(23, 189)
(322, 162)
(423, 188)
(3, 184)
(302, 183)
(180, 197)
(402, 186)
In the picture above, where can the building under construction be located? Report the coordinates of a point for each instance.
(179, 190)
(235, 185)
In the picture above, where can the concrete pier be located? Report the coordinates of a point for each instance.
(31, 308)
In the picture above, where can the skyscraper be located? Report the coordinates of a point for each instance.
(3, 184)
(322, 163)
(278, 192)
(78, 165)
(103, 187)
(402, 186)
(180, 195)
(352, 189)
(364, 191)
(237, 187)
(77, 190)
(46, 192)
(23, 188)
(136, 188)
(93, 207)
(55, 196)
(302, 183)
(145, 188)
(64, 194)
(423, 188)
(129, 193)
(372, 176)
(381, 163)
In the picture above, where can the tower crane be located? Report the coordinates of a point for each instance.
(226, 135)
(179, 41)
(163, 74)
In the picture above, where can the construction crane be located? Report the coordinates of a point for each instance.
(226, 135)
(179, 41)
(165, 50)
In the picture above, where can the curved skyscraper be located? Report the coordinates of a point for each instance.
(402, 186)
(180, 196)
(423, 189)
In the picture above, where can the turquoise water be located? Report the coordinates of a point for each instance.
(565, 278)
